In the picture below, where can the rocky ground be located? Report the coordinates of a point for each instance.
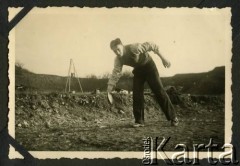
(80, 122)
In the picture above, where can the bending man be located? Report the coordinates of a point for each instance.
(137, 56)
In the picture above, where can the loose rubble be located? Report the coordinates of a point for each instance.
(48, 116)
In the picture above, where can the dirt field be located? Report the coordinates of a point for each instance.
(86, 122)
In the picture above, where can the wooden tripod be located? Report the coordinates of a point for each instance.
(70, 75)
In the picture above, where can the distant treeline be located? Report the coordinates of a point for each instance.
(212, 82)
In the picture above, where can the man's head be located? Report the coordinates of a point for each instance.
(117, 47)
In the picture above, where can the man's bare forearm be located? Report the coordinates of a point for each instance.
(161, 56)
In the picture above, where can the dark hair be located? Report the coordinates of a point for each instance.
(115, 42)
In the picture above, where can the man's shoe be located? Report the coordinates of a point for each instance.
(175, 122)
(138, 125)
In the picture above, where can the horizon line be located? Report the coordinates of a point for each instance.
(100, 76)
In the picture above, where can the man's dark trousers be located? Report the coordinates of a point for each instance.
(149, 73)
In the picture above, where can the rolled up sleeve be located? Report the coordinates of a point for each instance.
(149, 46)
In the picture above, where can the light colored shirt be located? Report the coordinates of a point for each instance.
(134, 55)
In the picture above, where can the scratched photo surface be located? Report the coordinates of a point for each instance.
(63, 61)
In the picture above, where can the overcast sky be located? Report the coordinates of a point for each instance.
(193, 40)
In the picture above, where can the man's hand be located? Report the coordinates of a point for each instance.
(166, 63)
(110, 98)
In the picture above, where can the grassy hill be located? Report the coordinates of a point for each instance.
(212, 82)
(45, 82)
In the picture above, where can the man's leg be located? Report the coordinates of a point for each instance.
(156, 85)
(138, 98)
